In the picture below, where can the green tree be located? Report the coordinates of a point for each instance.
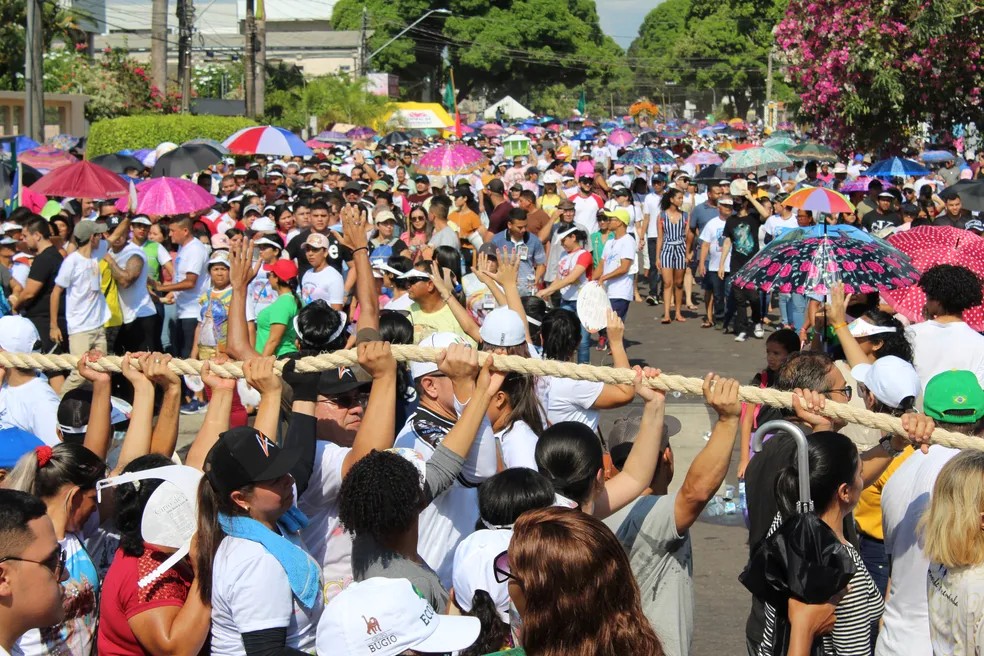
(57, 22)
(331, 98)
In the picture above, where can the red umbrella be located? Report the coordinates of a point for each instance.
(492, 130)
(81, 180)
(929, 246)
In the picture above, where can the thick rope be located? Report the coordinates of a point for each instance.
(512, 363)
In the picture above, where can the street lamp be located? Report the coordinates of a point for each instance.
(409, 27)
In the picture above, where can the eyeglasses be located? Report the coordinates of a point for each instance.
(500, 568)
(55, 563)
(418, 218)
(846, 391)
(348, 400)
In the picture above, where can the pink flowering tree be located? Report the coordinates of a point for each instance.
(870, 73)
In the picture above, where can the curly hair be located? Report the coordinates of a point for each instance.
(954, 288)
(131, 501)
(380, 496)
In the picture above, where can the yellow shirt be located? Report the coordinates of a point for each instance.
(442, 321)
(868, 512)
(111, 292)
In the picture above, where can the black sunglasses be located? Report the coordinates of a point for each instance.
(846, 391)
(55, 563)
(500, 568)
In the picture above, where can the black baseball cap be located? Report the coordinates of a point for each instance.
(243, 456)
(462, 193)
(353, 186)
(422, 178)
(495, 186)
(338, 381)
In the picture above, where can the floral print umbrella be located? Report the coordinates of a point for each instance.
(812, 264)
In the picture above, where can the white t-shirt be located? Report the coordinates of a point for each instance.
(401, 304)
(135, 301)
(191, 258)
(85, 306)
(518, 444)
(939, 347)
(565, 266)
(33, 407)
(329, 544)
(571, 400)
(259, 295)
(327, 285)
(775, 225)
(956, 615)
(586, 211)
(650, 208)
(19, 271)
(905, 623)
(713, 234)
(615, 251)
(251, 592)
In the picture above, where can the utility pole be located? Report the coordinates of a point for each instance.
(34, 73)
(249, 60)
(768, 88)
(186, 17)
(259, 58)
(361, 70)
(158, 44)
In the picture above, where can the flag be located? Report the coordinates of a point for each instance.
(582, 102)
(449, 103)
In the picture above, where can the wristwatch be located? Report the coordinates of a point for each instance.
(886, 443)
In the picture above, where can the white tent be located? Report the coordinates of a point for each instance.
(511, 109)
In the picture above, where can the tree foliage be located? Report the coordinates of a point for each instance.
(56, 22)
(331, 98)
(869, 73)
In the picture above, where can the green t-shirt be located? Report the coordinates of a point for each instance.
(281, 311)
(153, 264)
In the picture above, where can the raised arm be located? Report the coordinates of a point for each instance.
(615, 396)
(259, 373)
(138, 434)
(442, 282)
(354, 227)
(464, 360)
(165, 437)
(241, 273)
(99, 430)
(837, 313)
(378, 429)
(216, 417)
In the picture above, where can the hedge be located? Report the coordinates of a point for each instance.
(145, 131)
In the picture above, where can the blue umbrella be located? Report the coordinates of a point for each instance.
(547, 119)
(937, 156)
(22, 143)
(822, 229)
(587, 134)
(706, 132)
(609, 125)
(645, 157)
(896, 167)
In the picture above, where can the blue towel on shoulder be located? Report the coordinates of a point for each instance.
(303, 573)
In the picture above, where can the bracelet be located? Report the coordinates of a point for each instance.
(360, 248)
(838, 326)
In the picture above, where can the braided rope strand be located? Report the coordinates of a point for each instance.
(510, 363)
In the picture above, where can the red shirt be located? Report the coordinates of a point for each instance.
(122, 600)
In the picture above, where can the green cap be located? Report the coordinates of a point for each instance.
(954, 397)
(50, 209)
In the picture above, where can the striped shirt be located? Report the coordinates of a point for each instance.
(857, 613)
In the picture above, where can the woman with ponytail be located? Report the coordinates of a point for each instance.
(517, 420)
(275, 334)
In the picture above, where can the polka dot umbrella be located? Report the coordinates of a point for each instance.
(929, 246)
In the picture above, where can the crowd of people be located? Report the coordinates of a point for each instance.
(447, 507)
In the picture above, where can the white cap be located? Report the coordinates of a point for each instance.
(434, 340)
(739, 187)
(239, 172)
(263, 224)
(219, 257)
(861, 328)
(890, 379)
(551, 177)
(473, 570)
(386, 617)
(503, 327)
(18, 335)
(140, 220)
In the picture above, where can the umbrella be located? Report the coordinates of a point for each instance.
(929, 246)
(185, 160)
(217, 145)
(361, 133)
(647, 136)
(860, 184)
(782, 144)
(396, 139)
(266, 140)
(818, 199)
(168, 196)
(477, 124)
(646, 157)
(971, 193)
(21, 143)
(755, 160)
(712, 173)
(896, 167)
(456, 159)
(620, 137)
(673, 134)
(81, 180)
(802, 558)
(46, 158)
(118, 163)
(810, 262)
(812, 151)
(937, 156)
(585, 135)
(330, 136)
(704, 158)
(492, 129)
(8, 181)
(63, 141)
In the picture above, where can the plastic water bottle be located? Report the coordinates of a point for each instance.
(714, 507)
(742, 503)
(729, 500)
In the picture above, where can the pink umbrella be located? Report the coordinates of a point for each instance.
(492, 130)
(168, 196)
(46, 158)
(456, 159)
(861, 184)
(704, 158)
(81, 180)
(620, 137)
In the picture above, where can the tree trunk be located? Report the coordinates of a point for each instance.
(158, 45)
(249, 61)
(260, 66)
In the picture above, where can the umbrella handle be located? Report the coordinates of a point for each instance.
(802, 455)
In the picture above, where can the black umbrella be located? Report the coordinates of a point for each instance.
(118, 163)
(396, 138)
(710, 174)
(185, 160)
(648, 136)
(29, 173)
(971, 193)
(803, 557)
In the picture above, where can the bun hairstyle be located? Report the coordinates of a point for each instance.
(833, 461)
(320, 328)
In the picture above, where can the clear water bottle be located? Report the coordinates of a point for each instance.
(742, 503)
(729, 500)
(714, 507)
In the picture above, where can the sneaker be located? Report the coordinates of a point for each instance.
(602, 344)
(741, 337)
(192, 407)
(202, 407)
(759, 331)
(652, 300)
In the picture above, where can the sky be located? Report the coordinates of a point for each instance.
(621, 19)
